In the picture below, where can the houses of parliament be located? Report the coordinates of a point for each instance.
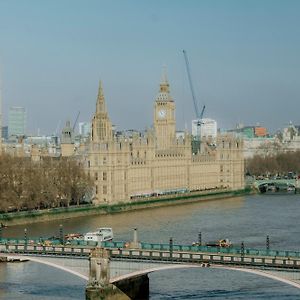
(157, 162)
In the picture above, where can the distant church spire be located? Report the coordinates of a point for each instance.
(100, 106)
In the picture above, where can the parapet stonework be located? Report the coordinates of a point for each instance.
(157, 163)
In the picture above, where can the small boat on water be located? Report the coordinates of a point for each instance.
(103, 234)
(73, 236)
(223, 243)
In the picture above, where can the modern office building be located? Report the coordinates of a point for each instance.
(84, 128)
(16, 121)
(250, 131)
(4, 132)
(205, 128)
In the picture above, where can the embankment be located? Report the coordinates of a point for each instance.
(25, 217)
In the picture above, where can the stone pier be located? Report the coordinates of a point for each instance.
(100, 288)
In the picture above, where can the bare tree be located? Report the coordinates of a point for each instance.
(25, 184)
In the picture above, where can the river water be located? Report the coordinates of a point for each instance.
(249, 219)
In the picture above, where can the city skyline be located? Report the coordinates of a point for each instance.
(243, 56)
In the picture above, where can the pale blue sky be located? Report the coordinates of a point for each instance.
(244, 58)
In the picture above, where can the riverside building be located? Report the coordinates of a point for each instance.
(157, 162)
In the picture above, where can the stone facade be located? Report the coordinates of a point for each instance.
(157, 163)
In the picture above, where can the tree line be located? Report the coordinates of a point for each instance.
(49, 183)
(281, 163)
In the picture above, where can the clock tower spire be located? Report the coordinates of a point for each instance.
(164, 115)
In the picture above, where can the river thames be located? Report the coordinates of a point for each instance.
(249, 219)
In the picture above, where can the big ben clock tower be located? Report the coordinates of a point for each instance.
(164, 116)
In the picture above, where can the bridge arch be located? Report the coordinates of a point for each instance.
(114, 280)
(180, 266)
(51, 264)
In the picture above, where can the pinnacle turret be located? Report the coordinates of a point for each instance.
(100, 106)
(101, 125)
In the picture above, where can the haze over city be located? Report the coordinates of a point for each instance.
(244, 58)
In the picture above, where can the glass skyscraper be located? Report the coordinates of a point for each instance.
(16, 121)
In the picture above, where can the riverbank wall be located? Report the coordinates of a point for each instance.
(26, 217)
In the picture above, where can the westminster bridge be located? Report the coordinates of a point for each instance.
(120, 269)
(264, 185)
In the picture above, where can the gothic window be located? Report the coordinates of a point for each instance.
(104, 189)
(96, 176)
(104, 176)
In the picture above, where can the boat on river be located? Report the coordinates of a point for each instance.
(223, 243)
(102, 234)
(73, 236)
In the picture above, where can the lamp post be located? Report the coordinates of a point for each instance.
(25, 237)
(61, 234)
(171, 246)
(200, 239)
(268, 243)
(242, 249)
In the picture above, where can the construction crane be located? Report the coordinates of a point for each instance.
(76, 121)
(199, 115)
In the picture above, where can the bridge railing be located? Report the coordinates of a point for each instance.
(55, 242)
(228, 250)
(155, 247)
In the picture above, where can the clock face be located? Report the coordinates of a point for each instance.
(162, 113)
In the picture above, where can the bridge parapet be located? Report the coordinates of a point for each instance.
(79, 248)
